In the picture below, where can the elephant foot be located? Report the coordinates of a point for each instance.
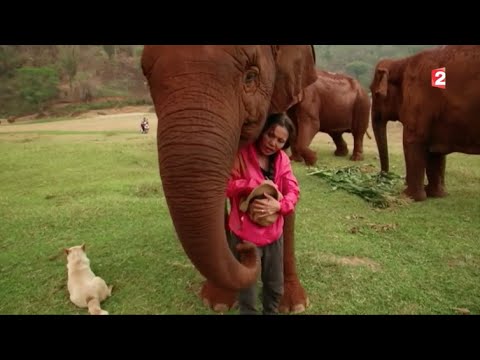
(435, 191)
(217, 299)
(356, 157)
(296, 158)
(417, 195)
(294, 298)
(341, 152)
(310, 159)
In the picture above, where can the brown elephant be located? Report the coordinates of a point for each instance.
(210, 101)
(334, 104)
(436, 121)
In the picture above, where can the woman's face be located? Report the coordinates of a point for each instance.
(273, 140)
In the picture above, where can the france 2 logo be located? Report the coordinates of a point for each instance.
(439, 78)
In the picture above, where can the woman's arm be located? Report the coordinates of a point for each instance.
(237, 187)
(290, 189)
(237, 183)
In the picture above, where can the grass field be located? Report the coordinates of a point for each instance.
(95, 181)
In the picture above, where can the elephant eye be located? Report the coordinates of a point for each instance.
(251, 75)
(251, 79)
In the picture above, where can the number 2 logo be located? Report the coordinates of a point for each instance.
(439, 78)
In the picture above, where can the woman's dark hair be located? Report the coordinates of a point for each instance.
(283, 120)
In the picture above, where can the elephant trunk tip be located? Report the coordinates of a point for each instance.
(248, 254)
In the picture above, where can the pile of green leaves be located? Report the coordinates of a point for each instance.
(378, 188)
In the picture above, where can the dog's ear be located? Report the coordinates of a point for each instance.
(67, 251)
(83, 246)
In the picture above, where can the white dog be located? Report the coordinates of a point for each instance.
(86, 290)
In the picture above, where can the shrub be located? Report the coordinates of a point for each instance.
(37, 85)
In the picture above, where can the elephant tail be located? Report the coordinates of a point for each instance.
(368, 135)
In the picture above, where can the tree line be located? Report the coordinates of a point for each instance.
(359, 60)
(32, 77)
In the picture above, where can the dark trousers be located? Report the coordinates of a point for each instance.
(271, 257)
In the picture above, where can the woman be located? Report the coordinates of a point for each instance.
(260, 220)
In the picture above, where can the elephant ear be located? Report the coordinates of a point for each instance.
(382, 82)
(147, 60)
(295, 70)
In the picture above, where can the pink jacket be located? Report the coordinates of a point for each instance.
(247, 175)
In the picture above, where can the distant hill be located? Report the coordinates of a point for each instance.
(33, 78)
(360, 60)
(44, 78)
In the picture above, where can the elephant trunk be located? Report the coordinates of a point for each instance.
(380, 130)
(196, 149)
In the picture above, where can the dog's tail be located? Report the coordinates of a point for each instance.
(94, 306)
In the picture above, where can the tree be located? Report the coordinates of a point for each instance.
(110, 50)
(37, 85)
(357, 68)
(69, 61)
(9, 60)
(327, 54)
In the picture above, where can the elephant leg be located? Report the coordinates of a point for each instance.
(295, 154)
(294, 298)
(415, 160)
(342, 148)
(360, 120)
(357, 154)
(307, 129)
(436, 175)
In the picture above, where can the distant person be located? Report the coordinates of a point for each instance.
(145, 126)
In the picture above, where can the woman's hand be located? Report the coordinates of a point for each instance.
(265, 207)
(270, 182)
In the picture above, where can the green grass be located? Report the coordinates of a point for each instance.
(103, 189)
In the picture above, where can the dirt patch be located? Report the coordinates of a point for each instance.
(86, 114)
(330, 259)
(357, 261)
(461, 311)
(181, 265)
(146, 190)
(121, 119)
(383, 227)
(380, 228)
(62, 104)
(122, 110)
(409, 309)
(464, 260)
(26, 117)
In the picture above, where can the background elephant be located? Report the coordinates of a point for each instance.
(210, 100)
(334, 104)
(435, 121)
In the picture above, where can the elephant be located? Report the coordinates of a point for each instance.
(436, 121)
(211, 100)
(334, 104)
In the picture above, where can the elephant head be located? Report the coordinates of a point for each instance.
(386, 90)
(210, 100)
